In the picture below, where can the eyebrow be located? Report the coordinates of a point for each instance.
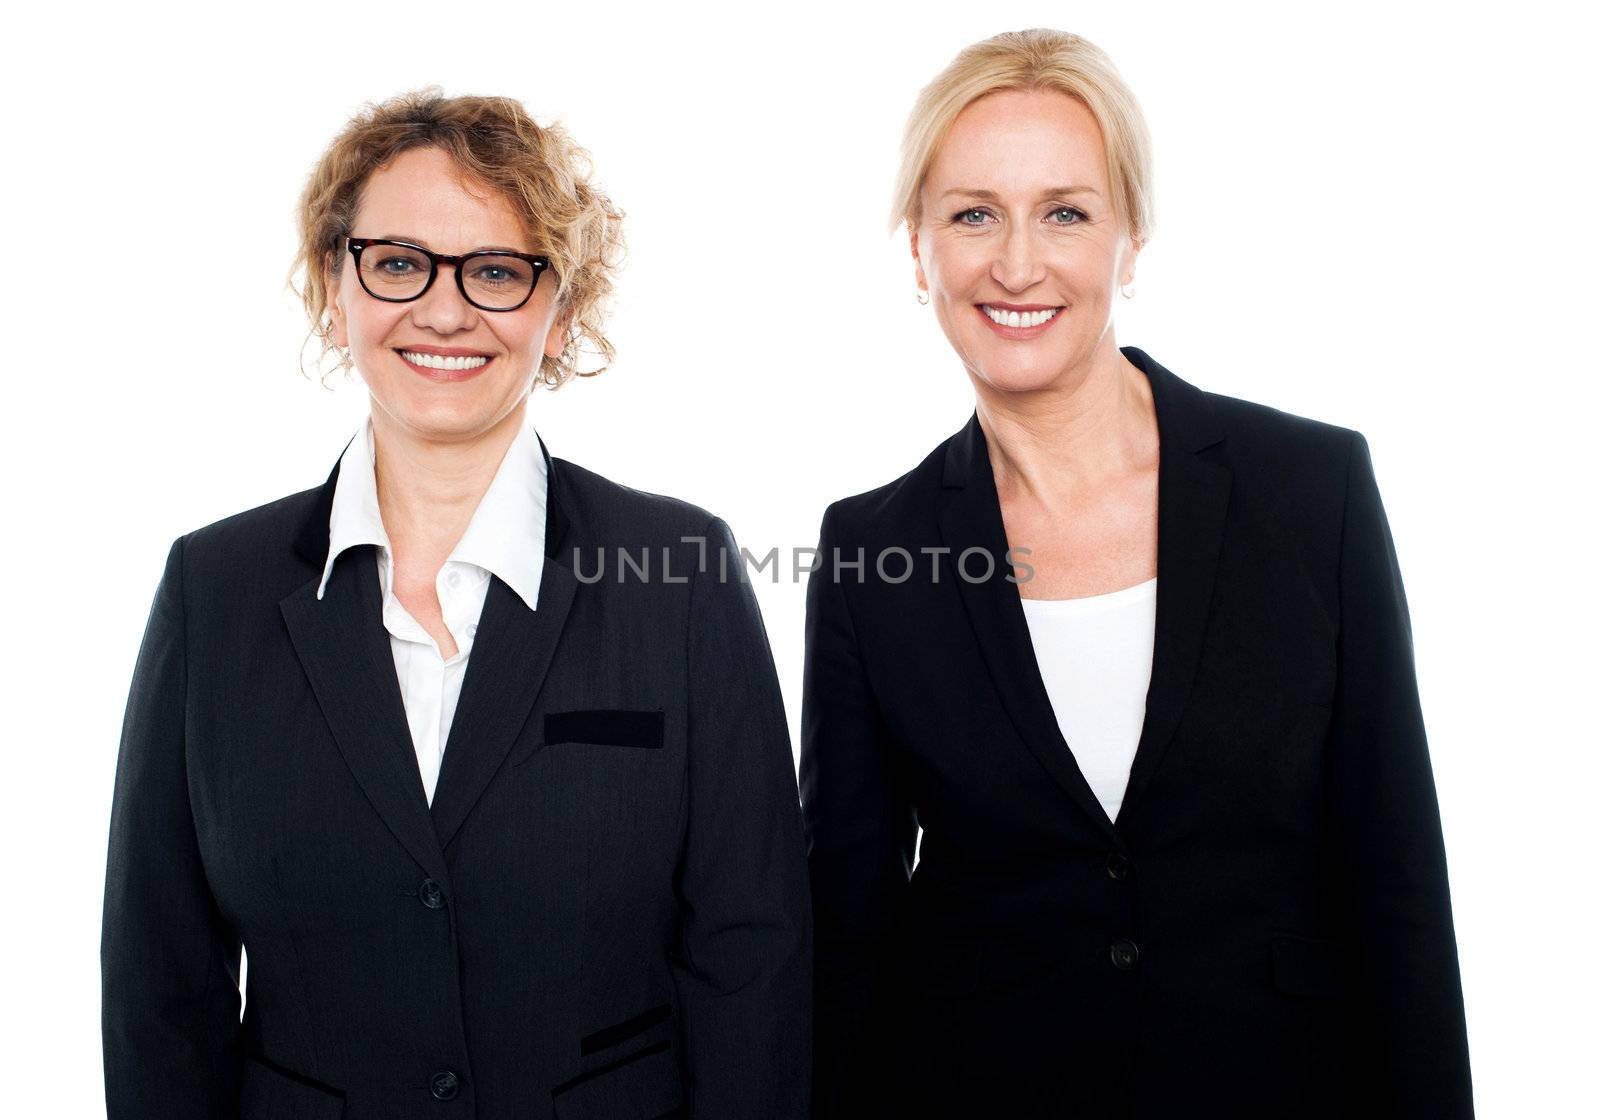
(974, 192)
(425, 245)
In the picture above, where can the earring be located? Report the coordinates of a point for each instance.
(1127, 291)
(922, 296)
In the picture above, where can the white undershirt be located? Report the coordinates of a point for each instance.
(1094, 654)
(505, 537)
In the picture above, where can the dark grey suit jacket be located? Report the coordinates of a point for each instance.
(1265, 929)
(603, 914)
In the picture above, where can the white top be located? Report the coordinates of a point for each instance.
(1094, 654)
(505, 537)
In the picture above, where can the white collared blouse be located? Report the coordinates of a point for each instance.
(505, 538)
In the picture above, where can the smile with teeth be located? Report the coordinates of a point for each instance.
(434, 361)
(1020, 318)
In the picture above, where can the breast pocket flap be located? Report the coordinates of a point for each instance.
(611, 727)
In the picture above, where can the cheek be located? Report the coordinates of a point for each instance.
(1094, 272)
(955, 270)
(528, 337)
(372, 322)
(1080, 278)
(545, 332)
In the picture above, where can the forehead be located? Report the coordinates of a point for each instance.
(421, 195)
(1021, 140)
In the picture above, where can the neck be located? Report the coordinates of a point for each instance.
(1053, 445)
(428, 489)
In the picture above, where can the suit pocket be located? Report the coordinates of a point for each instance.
(1307, 966)
(611, 727)
(618, 1033)
(646, 1085)
(270, 1092)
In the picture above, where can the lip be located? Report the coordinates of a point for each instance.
(1019, 333)
(446, 376)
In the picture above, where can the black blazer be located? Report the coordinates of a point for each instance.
(604, 912)
(1264, 931)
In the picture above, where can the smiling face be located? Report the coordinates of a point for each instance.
(420, 197)
(1018, 244)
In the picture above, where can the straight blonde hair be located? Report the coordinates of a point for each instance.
(1038, 59)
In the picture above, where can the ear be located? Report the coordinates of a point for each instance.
(560, 333)
(916, 256)
(1129, 256)
(339, 335)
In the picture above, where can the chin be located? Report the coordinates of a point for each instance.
(1018, 377)
(442, 417)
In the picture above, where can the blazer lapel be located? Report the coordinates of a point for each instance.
(1192, 497)
(343, 645)
(511, 655)
(971, 517)
(1192, 508)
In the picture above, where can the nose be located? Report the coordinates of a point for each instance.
(1018, 264)
(442, 307)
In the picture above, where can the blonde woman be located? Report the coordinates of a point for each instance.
(501, 838)
(1136, 659)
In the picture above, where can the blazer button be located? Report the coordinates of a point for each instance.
(432, 896)
(444, 1085)
(1124, 954)
(1118, 866)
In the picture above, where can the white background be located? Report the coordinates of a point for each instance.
(1383, 217)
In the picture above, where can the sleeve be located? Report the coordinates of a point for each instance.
(743, 972)
(1389, 846)
(169, 964)
(862, 834)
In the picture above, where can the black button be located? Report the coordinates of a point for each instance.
(432, 896)
(445, 1085)
(1118, 866)
(1124, 954)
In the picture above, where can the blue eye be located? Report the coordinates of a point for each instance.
(494, 274)
(1077, 214)
(961, 217)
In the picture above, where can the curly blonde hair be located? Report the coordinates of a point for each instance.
(540, 171)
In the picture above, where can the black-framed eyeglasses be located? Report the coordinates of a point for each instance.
(490, 279)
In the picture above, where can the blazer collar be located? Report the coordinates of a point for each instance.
(505, 534)
(312, 540)
(344, 648)
(1192, 497)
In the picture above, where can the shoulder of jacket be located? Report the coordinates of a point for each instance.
(251, 533)
(613, 510)
(909, 496)
(1274, 437)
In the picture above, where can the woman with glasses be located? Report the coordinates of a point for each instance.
(501, 832)
(1134, 658)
